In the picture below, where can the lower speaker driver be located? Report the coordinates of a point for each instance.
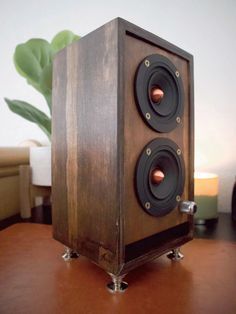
(160, 176)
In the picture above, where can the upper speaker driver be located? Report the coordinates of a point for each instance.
(159, 93)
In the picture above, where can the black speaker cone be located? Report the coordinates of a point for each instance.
(160, 177)
(159, 93)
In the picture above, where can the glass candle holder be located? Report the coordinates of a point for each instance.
(206, 187)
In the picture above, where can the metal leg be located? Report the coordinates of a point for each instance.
(175, 255)
(117, 285)
(69, 254)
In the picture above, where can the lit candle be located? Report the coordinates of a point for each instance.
(206, 187)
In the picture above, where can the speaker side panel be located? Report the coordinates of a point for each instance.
(138, 224)
(85, 156)
(59, 148)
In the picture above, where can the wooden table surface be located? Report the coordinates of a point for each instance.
(35, 279)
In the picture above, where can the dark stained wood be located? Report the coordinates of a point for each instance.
(155, 242)
(191, 129)
(90, 164)
(72, 145)
(98, 135)
(153, 39)
(138, 134)
(59, 150)
(98, 206)
(153, 254)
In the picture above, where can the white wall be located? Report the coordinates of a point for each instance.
(207, 29)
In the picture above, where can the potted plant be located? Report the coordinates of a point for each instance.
(33, 60)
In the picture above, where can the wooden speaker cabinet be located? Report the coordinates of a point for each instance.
(122, 148)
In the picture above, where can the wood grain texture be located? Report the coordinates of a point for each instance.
(71, 140)
(98, 135)
(138, 134)
(59, 150)
(90, 159)
(98, 204)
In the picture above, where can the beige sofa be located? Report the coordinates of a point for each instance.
(10, 160)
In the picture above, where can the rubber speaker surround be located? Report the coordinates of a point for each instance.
(158, 71)
(164, 154)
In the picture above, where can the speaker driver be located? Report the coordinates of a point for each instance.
(160, 176)
(159, 93)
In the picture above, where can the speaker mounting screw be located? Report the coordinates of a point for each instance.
(179, 151)
(147, 63)
(148, 151)
(147, 205)
(148, 116)
(178, 198)
(178, 120)
(177, 73)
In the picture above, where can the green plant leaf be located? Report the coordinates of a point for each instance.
(45, 84)
(62, 40)
(31, 113)
(33, 60)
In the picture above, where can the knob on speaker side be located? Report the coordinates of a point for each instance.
(188, 207)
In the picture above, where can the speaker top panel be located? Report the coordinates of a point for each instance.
(159, 93)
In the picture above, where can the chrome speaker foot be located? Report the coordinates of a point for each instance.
(117, 285)
(175, 255)
(69, 254)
